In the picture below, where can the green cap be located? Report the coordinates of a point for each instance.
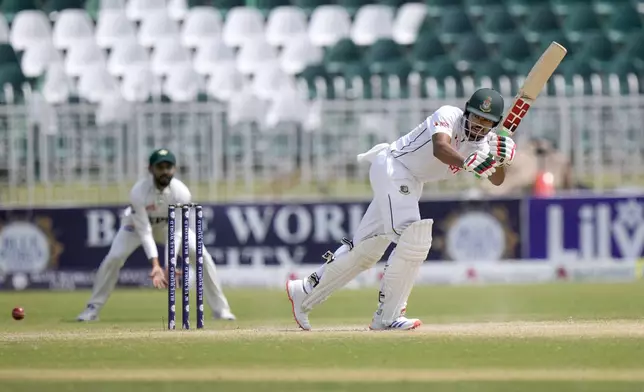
(162, 155)
(486, 103)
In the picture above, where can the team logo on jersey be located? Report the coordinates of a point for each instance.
(404, 189)
(486, 106)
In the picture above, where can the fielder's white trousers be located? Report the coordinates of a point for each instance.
(127, 241)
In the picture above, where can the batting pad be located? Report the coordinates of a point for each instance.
(411, 252)
(345, 268)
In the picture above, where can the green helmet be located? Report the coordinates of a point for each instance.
(486, 103)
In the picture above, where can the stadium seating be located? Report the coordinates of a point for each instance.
(212, 48)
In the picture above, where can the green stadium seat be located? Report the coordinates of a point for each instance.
(199, 3)
(441, 70)
(454, 23)
(311, 75)
(524, 7)
(226, 5)
(93, 7)
(544, 40)
(492, 69)
(481, 7)
(634, 50)
(496, 24)
(570, 67)
(513, 50)
(392, 3)
(267, 5)
(436, 7)
(597, 50)
(540, 20)
(352, 6)
(309, 5)
(426, 51)
(11, 74)
(605, 7)
(580, 22)
(8, 55)
(386, 58)
(60, 5)
(342, 54)
(565, 7)
(622, 22)
(11, 7)
(469, 51)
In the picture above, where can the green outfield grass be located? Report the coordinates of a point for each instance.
(560, 337)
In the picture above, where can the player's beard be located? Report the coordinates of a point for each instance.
(473, 131)
(163, 180)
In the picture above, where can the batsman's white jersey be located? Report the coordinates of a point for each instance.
(145, 223)
(400, 169)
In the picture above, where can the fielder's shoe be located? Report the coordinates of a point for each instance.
(402, 323)
(89, 314)
(225, 314)
(296, 294)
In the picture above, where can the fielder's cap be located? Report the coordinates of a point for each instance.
(162, 155)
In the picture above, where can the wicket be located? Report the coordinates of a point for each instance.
(185, 264)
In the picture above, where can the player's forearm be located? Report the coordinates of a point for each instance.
(446, 154)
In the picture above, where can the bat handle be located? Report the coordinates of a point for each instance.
(503, 131)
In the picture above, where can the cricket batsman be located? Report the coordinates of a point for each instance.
(145, 223)
(448, 142)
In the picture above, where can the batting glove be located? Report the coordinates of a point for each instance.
(502, 149)
(481, 164)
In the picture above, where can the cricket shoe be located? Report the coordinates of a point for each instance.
(89, 314)
(225, 314)
(402, 323)
(296, 294)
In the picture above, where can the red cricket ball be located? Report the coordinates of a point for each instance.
(18, 313)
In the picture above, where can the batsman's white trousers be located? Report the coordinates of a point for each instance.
(395, 196)
(127, 241)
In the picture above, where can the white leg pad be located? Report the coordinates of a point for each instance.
(344, 268)
(411, 252)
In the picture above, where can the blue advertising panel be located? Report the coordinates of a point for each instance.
(60, 248)
(570, 229)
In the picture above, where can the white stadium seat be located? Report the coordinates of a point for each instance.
(268, 81)
(96, 84)
(137, 84)
(37, 58)
(4, 29)
(255, 54)
(245, 107)
(157, 27)
(83, 55)
(212, 55)
(178, 9)
(113, 26)
(286, 106)
(139, 9)
(56, 86)
(126, 55)
(72, 26)
(372, 22)
(329, 24)
(168, 56)
(298, 53)
(182, 84)
(202, 24)
(224, 83)
(242, 24)
(29, 28)
(409, 18)
(284, 23)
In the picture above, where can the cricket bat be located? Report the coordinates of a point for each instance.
(532, 86)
